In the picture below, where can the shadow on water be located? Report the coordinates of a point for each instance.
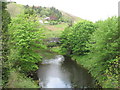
(60, 72)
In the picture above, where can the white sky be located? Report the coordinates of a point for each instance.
(92, 10)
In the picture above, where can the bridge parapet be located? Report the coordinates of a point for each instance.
(52, 40)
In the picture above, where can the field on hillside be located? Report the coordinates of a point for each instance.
(15, 9)
(54, 30)
(75, 19)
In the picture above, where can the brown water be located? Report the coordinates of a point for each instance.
(60, 72)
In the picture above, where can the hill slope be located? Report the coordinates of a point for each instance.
(60, 19)
(15, 9)
(73, 18)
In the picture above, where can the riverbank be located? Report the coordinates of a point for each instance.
(19, 80)
(87, 64)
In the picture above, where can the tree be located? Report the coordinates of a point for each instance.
(56, 13)
(29, 11)
(76, 37)
(25, 38)
(105, 52)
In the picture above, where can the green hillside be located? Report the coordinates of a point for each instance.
(15, 9)
(58, 20)
(75, 19)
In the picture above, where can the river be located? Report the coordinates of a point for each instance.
(60, 72)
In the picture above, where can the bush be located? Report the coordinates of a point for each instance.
(53, 22)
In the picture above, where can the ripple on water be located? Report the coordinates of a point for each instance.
(57, 60)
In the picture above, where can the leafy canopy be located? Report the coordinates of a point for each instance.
(74, 38)
(25, 38)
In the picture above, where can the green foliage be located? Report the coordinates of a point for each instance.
(51, 44)
(97, 48)
(112, 73)
(105, 49)
(55, 12)
(106, 38)
(74, 38)
(53, 22)
(5, 37)
(18, 80)
(56, 49)
(44, 12)
(25, 38)
(29, 11)
(5, 21)
(55, 15)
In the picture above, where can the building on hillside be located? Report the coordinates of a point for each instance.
(41, 21)
(47, 18)
(53, 18)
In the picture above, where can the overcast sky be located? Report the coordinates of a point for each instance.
(92, 10)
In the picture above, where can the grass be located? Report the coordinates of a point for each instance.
(74, 18)
(15, 9)
(52, 31)
(62, 25)
(95, 68)
(56, 27)
(17, 80)
(52, 34)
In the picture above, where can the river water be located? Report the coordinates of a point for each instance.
(60, 72)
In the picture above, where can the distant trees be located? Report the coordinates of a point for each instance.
(29, 11)
(54, 14)
(48, 12)
(26, 6)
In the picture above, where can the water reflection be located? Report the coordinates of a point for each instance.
(60, 73)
